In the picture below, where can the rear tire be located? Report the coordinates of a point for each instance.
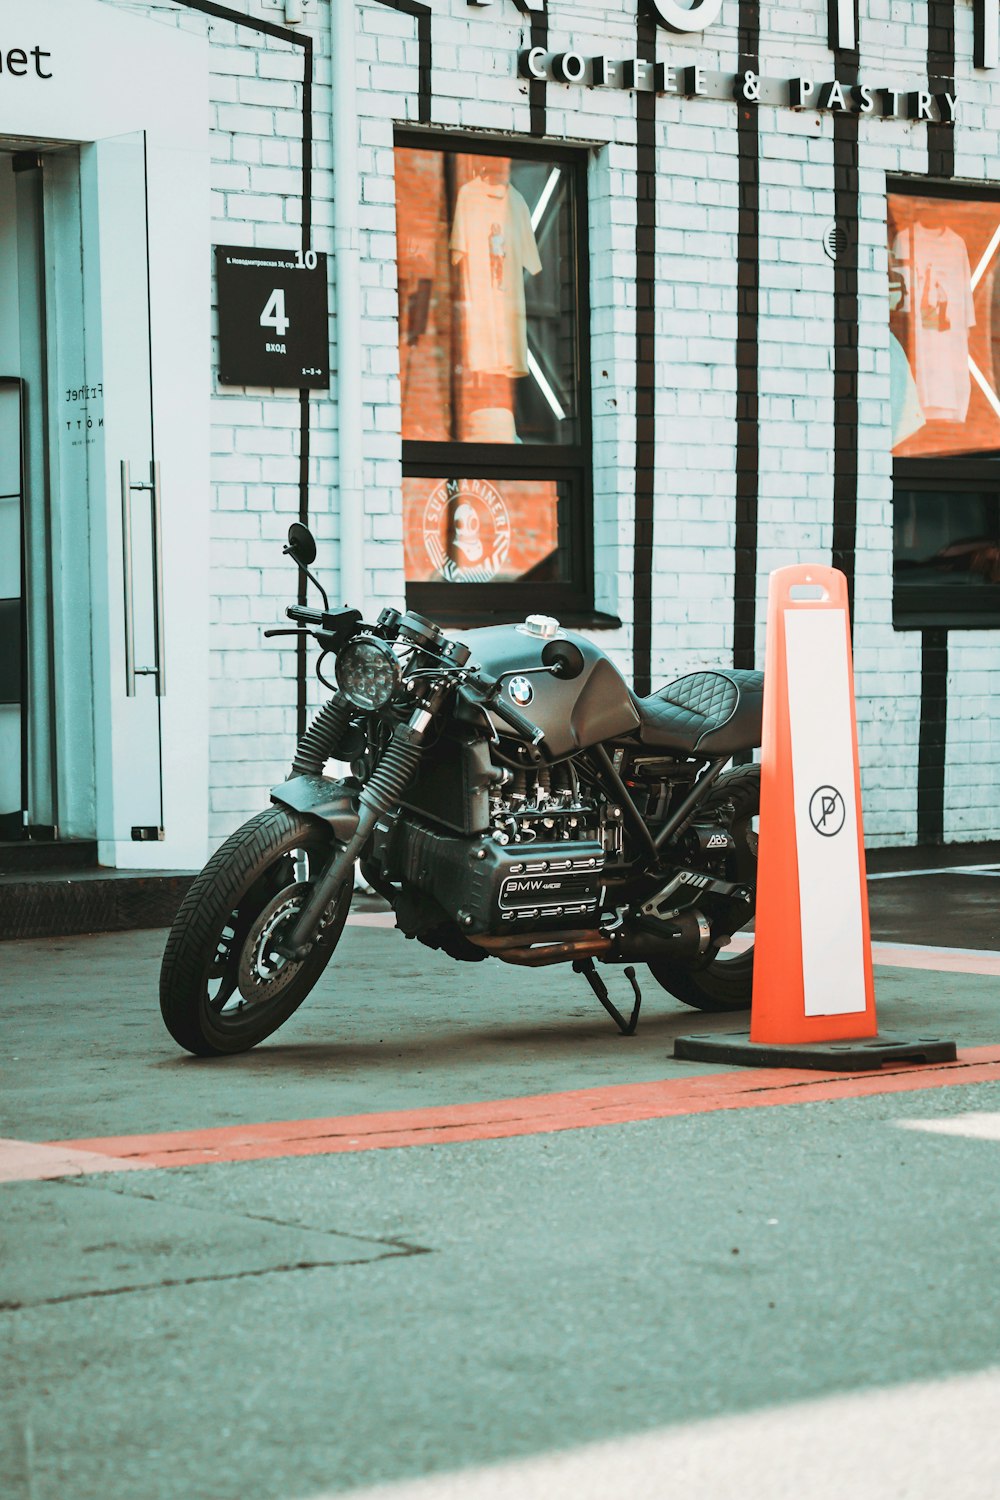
(724, 984)
(222, 989)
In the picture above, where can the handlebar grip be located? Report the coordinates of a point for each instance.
(517, 720)
(302, 612)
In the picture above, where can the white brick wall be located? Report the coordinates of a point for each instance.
(256, 152)
(256, 95)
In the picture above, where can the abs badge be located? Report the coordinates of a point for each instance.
(467, 531)
(520, 690)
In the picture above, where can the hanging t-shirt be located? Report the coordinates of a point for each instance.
(492, 233)
(934, 264)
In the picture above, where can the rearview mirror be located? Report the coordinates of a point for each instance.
(563, 658)
(301, 544)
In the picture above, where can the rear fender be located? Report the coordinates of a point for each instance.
(334, 803)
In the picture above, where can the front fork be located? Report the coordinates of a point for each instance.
(381, 794)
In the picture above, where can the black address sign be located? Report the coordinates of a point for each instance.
(273, 317)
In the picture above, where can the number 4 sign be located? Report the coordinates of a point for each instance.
(273, 317)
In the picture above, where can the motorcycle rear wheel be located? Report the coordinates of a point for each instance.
(222, 988)
(724, 984)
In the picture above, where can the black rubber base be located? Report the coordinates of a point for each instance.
(847, 1056)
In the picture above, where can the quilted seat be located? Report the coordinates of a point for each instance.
(704, 713)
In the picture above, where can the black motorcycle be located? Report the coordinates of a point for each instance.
(509, 798)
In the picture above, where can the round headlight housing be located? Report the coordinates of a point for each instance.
(368, 673)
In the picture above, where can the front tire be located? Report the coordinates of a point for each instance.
(222, 987)
(724, 984)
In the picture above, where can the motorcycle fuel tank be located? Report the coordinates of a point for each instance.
(573, 713)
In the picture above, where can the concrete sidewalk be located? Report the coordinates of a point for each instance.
(392, 1025)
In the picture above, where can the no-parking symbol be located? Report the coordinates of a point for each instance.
(827, 811)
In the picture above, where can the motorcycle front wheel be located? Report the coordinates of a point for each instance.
(719, 983)
(223, 988)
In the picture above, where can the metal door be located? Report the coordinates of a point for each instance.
(13, 714)
(131, 681)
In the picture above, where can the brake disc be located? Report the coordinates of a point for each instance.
(263, 973)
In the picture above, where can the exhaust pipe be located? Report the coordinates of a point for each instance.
(513, 949)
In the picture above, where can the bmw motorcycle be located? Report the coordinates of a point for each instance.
(510, 798)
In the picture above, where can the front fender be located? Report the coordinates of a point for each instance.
(334, 803)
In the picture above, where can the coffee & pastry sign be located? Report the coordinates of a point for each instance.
(747, 87)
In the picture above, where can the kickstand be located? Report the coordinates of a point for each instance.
(585, 966)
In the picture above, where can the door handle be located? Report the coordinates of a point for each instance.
(152, 488)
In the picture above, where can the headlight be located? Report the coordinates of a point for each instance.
(368, 672)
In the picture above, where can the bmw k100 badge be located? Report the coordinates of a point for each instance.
(521, 691)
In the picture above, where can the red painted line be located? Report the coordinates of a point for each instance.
(537, 1114)
(940, 960)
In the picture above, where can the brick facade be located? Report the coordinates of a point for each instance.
(740, 283)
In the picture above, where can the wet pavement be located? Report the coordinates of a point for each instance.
(957, 908)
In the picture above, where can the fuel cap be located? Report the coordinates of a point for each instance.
(544, 626)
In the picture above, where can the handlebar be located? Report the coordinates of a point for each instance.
(517, 720)
(343, 622)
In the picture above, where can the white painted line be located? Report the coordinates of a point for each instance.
(372, 919)
(993, 869)
(26, 1161)
(977, 1125)
(924, 1441)
(940, 948)
(907, 956)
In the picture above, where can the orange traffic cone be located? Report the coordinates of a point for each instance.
(813, 990)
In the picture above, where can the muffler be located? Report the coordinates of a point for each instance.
(684, 936)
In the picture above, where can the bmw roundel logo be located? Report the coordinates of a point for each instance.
(521, 691)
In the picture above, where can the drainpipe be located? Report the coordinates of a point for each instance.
(347, 301)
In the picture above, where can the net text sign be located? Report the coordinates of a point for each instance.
(273, 312)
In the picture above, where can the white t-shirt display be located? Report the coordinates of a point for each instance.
(492, 235)
(934, 264)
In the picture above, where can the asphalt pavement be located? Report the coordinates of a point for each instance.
(448, 1234)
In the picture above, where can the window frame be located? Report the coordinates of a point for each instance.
(954, 607)
(571, 463)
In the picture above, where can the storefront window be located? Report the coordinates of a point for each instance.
(487, 298)
(944, 321)
(944, 351)
(477, 531)
(492, 334)
(946, 538)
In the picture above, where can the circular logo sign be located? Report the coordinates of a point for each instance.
(467, 530)
(677, 17)
(827, 811)
(520, 690)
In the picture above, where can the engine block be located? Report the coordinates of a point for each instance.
(489, 888)
(541, 807)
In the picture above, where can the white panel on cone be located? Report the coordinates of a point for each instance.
(826, 812)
